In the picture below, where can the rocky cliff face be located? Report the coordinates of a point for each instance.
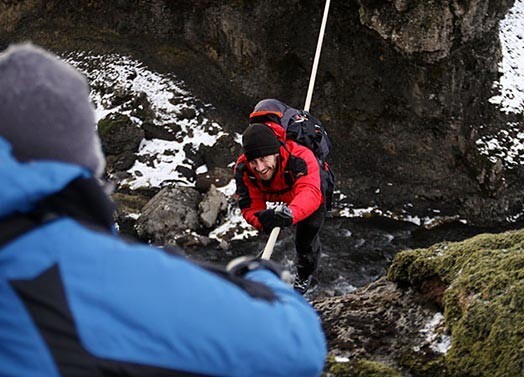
(403, 85)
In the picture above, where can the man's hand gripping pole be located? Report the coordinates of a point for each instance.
(283, 217)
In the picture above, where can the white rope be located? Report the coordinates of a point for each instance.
(268, 250)
(317, 57)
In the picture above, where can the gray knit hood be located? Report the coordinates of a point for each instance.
(45, 110)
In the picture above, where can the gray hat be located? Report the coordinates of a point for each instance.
(45, 110)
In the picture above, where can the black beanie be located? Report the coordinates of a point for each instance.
(258, 140)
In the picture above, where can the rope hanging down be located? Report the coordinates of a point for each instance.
(317, 57)
(268, 250)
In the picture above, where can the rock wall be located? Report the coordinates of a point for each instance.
(403, 85)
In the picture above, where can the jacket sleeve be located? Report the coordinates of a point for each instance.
(307, 193)
(157, 309)
(250, 198)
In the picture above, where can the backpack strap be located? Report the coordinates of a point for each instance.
(83, 200)
(16, 225)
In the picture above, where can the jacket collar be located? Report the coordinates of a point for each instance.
(23, 184)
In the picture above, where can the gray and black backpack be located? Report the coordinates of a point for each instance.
(303, 128)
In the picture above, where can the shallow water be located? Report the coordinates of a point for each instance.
(355, 251)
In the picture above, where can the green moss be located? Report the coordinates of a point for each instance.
(359, 368)
(418, 366)
(484, 301)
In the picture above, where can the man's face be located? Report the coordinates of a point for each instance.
(264, 166)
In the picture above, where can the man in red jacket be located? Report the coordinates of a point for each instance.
(270, 170)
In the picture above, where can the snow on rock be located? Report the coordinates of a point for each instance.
(115, 78)
(508, 145)
(511, 84)
(117, 75)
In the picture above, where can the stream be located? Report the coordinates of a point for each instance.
(355, 251)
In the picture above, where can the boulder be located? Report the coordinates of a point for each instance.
(169, 215)
(221, 154)
(128, 210)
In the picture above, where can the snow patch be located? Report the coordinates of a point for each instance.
(236, 225)
(426, 222)
(507, 146)
(511, 84)
(114, 75)
(438, 342)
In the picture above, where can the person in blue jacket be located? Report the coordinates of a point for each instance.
(76, 300)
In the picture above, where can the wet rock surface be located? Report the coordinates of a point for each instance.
(382, 323)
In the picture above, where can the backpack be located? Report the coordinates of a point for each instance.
(305, 129)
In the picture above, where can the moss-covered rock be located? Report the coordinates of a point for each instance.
(120, 141)
(128, 208)
(359, 368)
(118, 134)
(483, 301)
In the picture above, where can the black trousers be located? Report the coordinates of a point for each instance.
(307, 242)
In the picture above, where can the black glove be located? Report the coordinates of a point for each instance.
(272, 218)
(242, 265)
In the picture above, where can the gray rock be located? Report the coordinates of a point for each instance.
(169, 215)
(425, 28)
(214, 203)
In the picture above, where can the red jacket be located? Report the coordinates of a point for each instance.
(296, 182)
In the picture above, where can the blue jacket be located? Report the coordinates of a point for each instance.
(77, 301)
